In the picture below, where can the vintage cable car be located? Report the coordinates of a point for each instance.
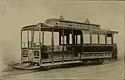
(70, 47)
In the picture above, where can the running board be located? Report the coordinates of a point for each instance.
(60, 63)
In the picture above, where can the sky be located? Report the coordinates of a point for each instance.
(15, 14)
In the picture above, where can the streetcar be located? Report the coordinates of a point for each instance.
(63, 42)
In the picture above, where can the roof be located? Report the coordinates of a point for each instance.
(68, 21)
(44, 26)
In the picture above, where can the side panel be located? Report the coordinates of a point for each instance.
(114, 55)
(97, 51)
(24, 55)
(31, 55)
(97, 55)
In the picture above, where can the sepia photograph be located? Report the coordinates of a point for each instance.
(62, 39)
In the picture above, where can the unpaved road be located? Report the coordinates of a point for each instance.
(108, 70)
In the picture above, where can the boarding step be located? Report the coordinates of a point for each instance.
(25, 66)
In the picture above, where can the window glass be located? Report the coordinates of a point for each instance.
(94, 38)
(108, 40)
(29, 35)
(78, 39)
(62, 39)
(56, 38)
(24, 39)
(87, 38)
(47, 38)
(70, 38)
(24, 36)
(102, 39)
(36, 36)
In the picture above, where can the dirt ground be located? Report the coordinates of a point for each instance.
(108, 70)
